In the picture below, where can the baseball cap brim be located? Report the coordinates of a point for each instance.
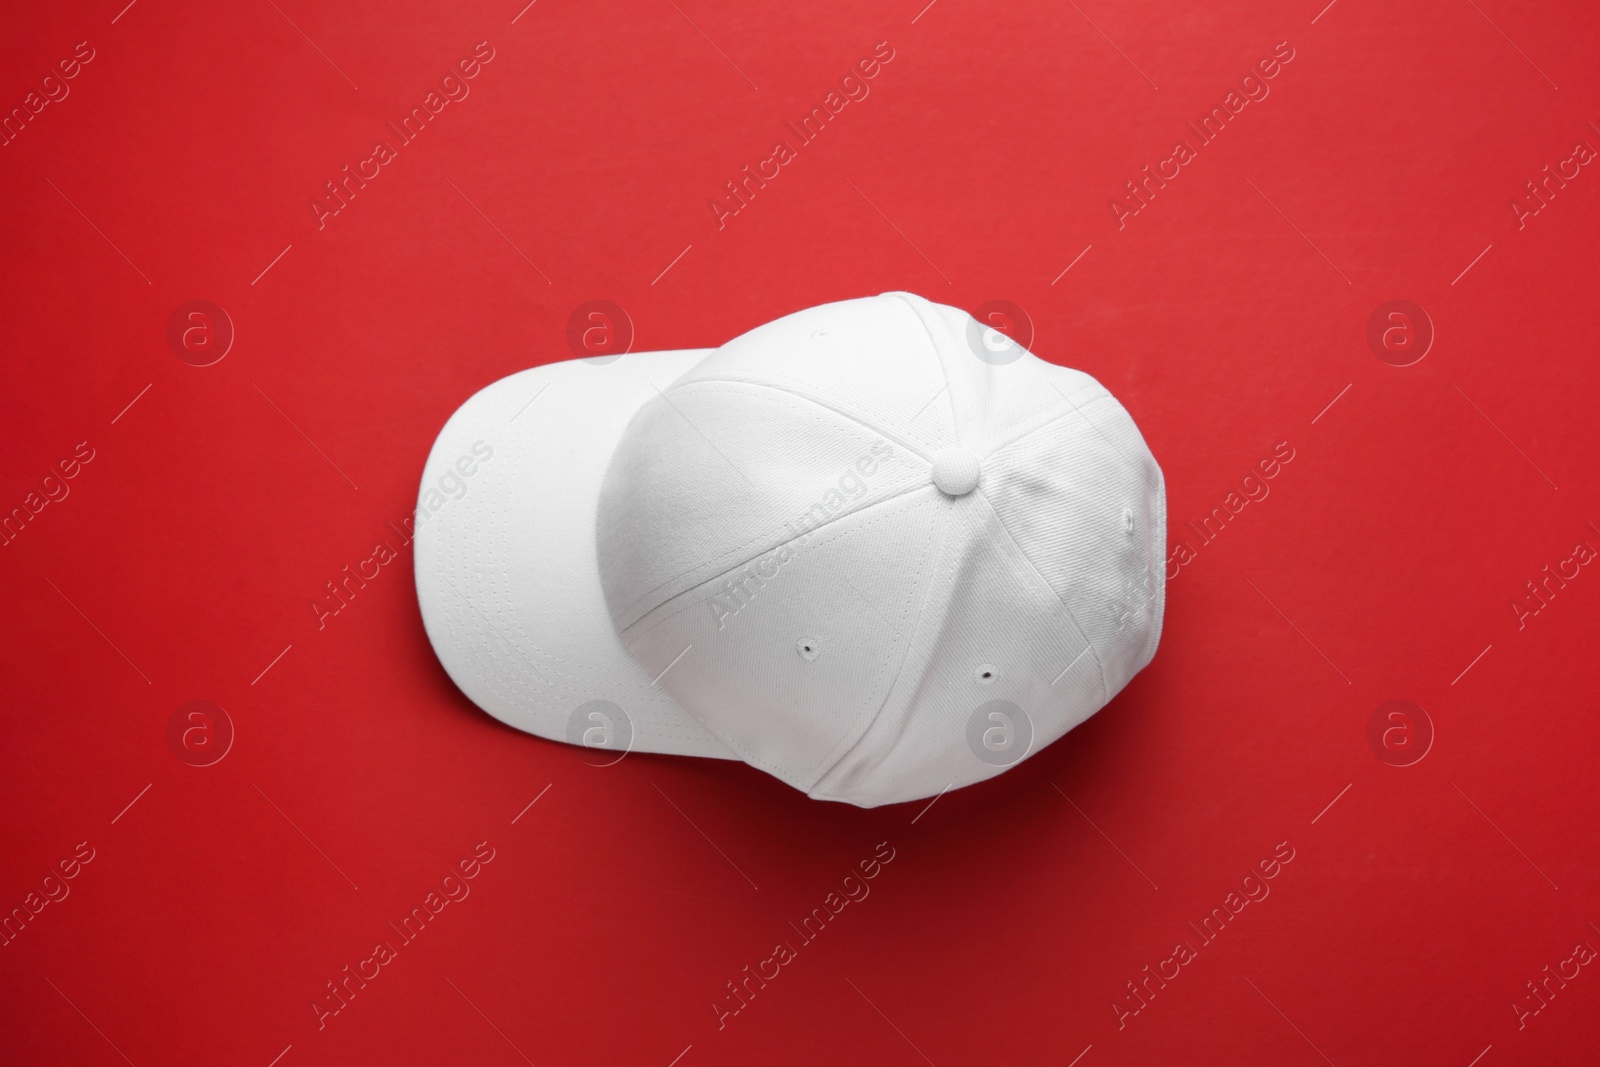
(506, 569)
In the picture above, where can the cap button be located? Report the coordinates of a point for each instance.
(955, 471)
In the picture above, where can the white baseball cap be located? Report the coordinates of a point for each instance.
(871, 548)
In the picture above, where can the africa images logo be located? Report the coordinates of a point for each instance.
(999, 732)
(740, 589)
(853, 88)
(1253, 88)
(453, 888)
(453, 88)
(853, 888)
(602, 725)
(1253, 888)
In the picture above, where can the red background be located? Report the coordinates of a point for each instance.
(1227, 316)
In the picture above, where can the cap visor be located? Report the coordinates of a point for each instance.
(507, 576)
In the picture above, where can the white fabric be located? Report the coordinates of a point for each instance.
(506, 572)
(829, 548)
(956, 471)
(773, 547)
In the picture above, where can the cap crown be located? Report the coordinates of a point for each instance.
(775, 551)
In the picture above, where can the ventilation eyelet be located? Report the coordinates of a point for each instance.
(985, 673)
(809, 648)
